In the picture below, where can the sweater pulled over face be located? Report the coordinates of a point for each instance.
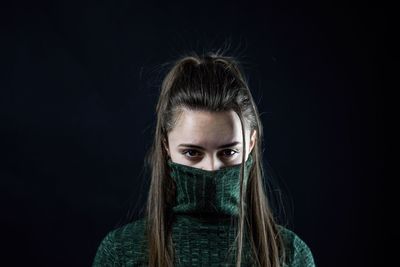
(204, 227)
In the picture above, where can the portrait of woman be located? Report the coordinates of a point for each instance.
(206, 204)
(163, 134)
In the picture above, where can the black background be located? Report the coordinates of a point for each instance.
(79, 84)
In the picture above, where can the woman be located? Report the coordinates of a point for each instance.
(206, 205)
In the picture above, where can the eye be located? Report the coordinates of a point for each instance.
(190, 153)
(229, 153)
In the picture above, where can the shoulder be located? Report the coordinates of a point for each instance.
(298, 252)
(123, 246)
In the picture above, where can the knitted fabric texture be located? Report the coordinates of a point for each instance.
(206, 192)
(203, 228)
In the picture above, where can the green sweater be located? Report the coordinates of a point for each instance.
(199, 240)
(197, 244)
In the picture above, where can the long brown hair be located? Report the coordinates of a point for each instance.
(210, 82)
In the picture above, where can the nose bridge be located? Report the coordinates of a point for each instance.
(213, 163)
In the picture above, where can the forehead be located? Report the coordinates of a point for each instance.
(209, 129)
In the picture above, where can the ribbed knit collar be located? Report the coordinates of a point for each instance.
(208, 193)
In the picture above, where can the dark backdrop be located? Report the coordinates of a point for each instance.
(79, 84)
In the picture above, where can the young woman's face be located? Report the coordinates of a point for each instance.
(208, 140)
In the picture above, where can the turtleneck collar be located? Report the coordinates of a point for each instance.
(204, 192)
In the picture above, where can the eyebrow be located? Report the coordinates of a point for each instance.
(199, 147)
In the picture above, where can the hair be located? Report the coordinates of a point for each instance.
(211, 82)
